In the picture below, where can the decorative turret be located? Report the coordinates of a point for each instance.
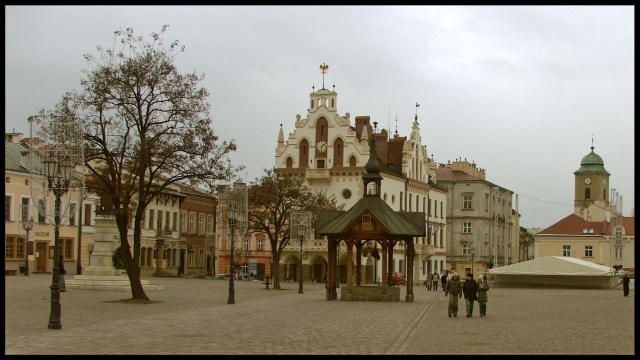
(372, 179)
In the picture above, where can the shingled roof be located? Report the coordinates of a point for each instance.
(394, 223)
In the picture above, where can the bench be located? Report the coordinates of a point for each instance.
(267, 283)
(10, 272)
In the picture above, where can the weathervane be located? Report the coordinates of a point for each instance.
(323, 68)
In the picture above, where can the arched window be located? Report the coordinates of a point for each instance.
(289, 162)
(352, 161)
(143, 256)
(304, 154)
(149, 256)
(338, 153)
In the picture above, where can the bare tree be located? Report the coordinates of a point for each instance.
(147, 127)
(271, 200)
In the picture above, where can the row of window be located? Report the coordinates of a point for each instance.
(588, 251)
(41, 211)
(15, 247)
(154, 219)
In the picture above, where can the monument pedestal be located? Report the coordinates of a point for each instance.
(102, 274)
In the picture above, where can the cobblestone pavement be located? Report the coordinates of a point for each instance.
(192, 316)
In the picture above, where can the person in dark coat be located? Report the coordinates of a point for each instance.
(453, 289)
(443, 278)
(483, 287)
(625, 283)
(470, 291)
(61, 273)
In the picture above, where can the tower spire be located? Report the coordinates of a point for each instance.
(396, 125)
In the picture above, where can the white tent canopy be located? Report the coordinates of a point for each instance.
(554, 265)
(557, 271)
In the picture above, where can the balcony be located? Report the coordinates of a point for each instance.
(318, 175)
(163, 233)
(424, 252)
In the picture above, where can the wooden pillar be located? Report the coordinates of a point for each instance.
(410, 259)
(384, 267)
(349, 267)
(359, 244)
(331, 270)
(390, 268)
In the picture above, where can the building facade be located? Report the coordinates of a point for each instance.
(330, 151)
(483, 228)
(26, 197)
(596, 231)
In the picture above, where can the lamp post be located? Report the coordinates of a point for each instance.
(232, 213)
(473, 261)
(58, 178)
(212, 250)
(301, 229)
(27, 225)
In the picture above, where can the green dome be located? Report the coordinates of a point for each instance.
(592, 163)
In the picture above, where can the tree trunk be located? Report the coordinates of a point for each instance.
(131, 262)
(275, 270)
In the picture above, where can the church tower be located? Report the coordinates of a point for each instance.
(591, 201)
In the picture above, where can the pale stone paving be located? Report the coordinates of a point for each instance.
(193, 317)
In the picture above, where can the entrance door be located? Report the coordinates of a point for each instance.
(260, 270)
(317, 272)
(41, 256)
(181, 268)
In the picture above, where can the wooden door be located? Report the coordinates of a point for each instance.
(41, 256)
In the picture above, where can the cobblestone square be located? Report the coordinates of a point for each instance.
(192, 317)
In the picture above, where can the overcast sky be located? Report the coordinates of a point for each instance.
(522, 91)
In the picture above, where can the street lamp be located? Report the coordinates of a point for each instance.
(232, 214)
(301, 229)
(212, 248)
(473, 261)
(58, 178)
(27, 225)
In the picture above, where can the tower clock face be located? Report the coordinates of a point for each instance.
(587, 181)
(321, 146)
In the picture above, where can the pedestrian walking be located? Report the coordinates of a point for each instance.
(470, 291)
(625, 283)
(61, 273)
(454, 291)
(443, 278)
(427, 282)
(435, 277)
(483, 287)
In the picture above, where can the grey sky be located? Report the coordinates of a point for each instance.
(519, 90)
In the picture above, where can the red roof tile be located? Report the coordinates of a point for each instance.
(575, 225)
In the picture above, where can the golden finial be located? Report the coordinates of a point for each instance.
(323, 68)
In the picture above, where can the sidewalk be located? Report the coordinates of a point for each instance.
(192, 317)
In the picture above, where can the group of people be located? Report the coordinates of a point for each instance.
(432, 280)
(472, 291)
